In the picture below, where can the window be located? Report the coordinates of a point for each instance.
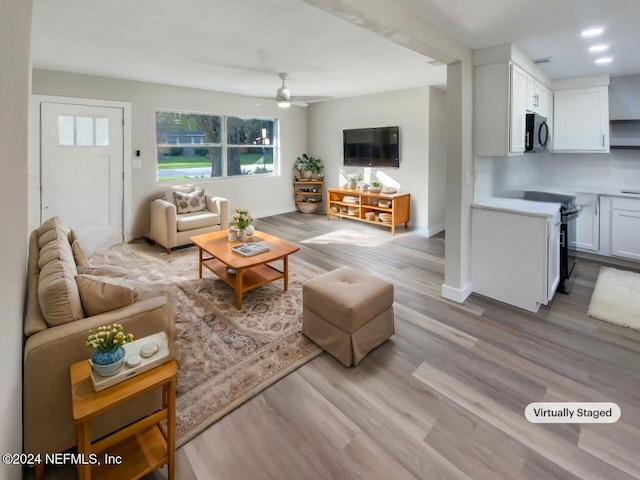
(204, 146)
(249, 146)
(83, 131)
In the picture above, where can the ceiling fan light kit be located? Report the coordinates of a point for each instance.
(284, 99)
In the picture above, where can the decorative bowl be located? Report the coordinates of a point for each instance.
(374, 189)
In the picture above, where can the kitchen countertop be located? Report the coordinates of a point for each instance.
(517, 205)
(591, 189)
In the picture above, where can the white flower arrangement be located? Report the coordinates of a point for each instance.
(108, 337)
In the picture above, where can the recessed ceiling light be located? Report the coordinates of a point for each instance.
(604, 60)
(591, 32)
(599, 48)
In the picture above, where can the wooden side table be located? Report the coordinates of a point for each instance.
(135, 450)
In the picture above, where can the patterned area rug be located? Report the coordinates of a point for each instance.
(226, 356)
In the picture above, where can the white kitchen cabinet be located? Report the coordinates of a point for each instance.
(587, 231)
(534, 92)
(581, 120)
(625, 228)
(500, 103)
(545, 103)
(516, 256)
(518, 109)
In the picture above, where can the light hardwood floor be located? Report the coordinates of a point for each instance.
(444, 397)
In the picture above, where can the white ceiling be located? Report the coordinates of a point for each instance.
(238, 46)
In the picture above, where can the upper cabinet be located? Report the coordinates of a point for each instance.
(581, 120)
(506, 87)
(500, 108)
(517, 112)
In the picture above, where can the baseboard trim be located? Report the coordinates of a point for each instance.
(435, 230)
(458, 295)
(269, 213)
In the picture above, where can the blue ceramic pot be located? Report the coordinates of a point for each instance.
(107, 363)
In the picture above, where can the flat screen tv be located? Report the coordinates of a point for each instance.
(372, 147)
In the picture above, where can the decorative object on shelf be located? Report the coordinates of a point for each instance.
(109, 354)
(354, 178)
(389, 190)
(375, 187)
(307, 166)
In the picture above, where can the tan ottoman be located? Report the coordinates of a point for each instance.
(348, 313)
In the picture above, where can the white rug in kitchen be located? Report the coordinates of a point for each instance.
(616, 298)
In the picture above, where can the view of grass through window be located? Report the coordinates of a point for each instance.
(204, 146)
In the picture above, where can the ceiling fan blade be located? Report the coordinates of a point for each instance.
(295, 98)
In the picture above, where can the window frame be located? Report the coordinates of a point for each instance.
(223, 145)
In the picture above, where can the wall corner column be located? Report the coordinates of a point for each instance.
(460, 178)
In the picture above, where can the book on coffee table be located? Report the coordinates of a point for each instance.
(248, 249)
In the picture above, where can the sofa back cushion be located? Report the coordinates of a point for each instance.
(57, 248)
(33, 321)
(58, 294)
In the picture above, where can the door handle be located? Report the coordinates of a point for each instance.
(526, 139)
(562, 239)
(603, 139)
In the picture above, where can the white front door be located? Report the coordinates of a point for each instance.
(82, 155)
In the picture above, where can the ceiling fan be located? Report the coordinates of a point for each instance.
(285, 99)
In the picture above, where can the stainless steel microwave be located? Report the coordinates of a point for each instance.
(537, 133)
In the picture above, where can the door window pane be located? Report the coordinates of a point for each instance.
(84, 131)
(102, 131)
(66, 130)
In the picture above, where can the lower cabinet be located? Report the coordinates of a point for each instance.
(515, 256)
(587, 231)
(625, 228)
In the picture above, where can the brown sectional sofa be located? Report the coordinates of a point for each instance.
(57, 327)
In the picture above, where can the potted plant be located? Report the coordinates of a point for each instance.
(375, 187)
(307, 166)
(109, 354)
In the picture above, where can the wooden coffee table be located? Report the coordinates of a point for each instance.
(251, 272)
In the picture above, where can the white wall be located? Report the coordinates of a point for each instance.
(408, 109)
(15, 87)
(260, 195)
(437, 159)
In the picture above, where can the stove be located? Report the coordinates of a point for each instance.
(569, 212)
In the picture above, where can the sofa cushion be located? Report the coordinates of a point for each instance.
(191, 221)
(79, 256)
(100, 294)
(56, 249)
(58, 294)
(56, 233)
(52, 223)
(190, 202)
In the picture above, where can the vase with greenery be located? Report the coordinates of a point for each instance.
(307, 166)
(109, 353)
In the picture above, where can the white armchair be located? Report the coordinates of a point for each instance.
(172, 229)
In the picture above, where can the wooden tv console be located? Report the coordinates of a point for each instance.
(368, 208)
